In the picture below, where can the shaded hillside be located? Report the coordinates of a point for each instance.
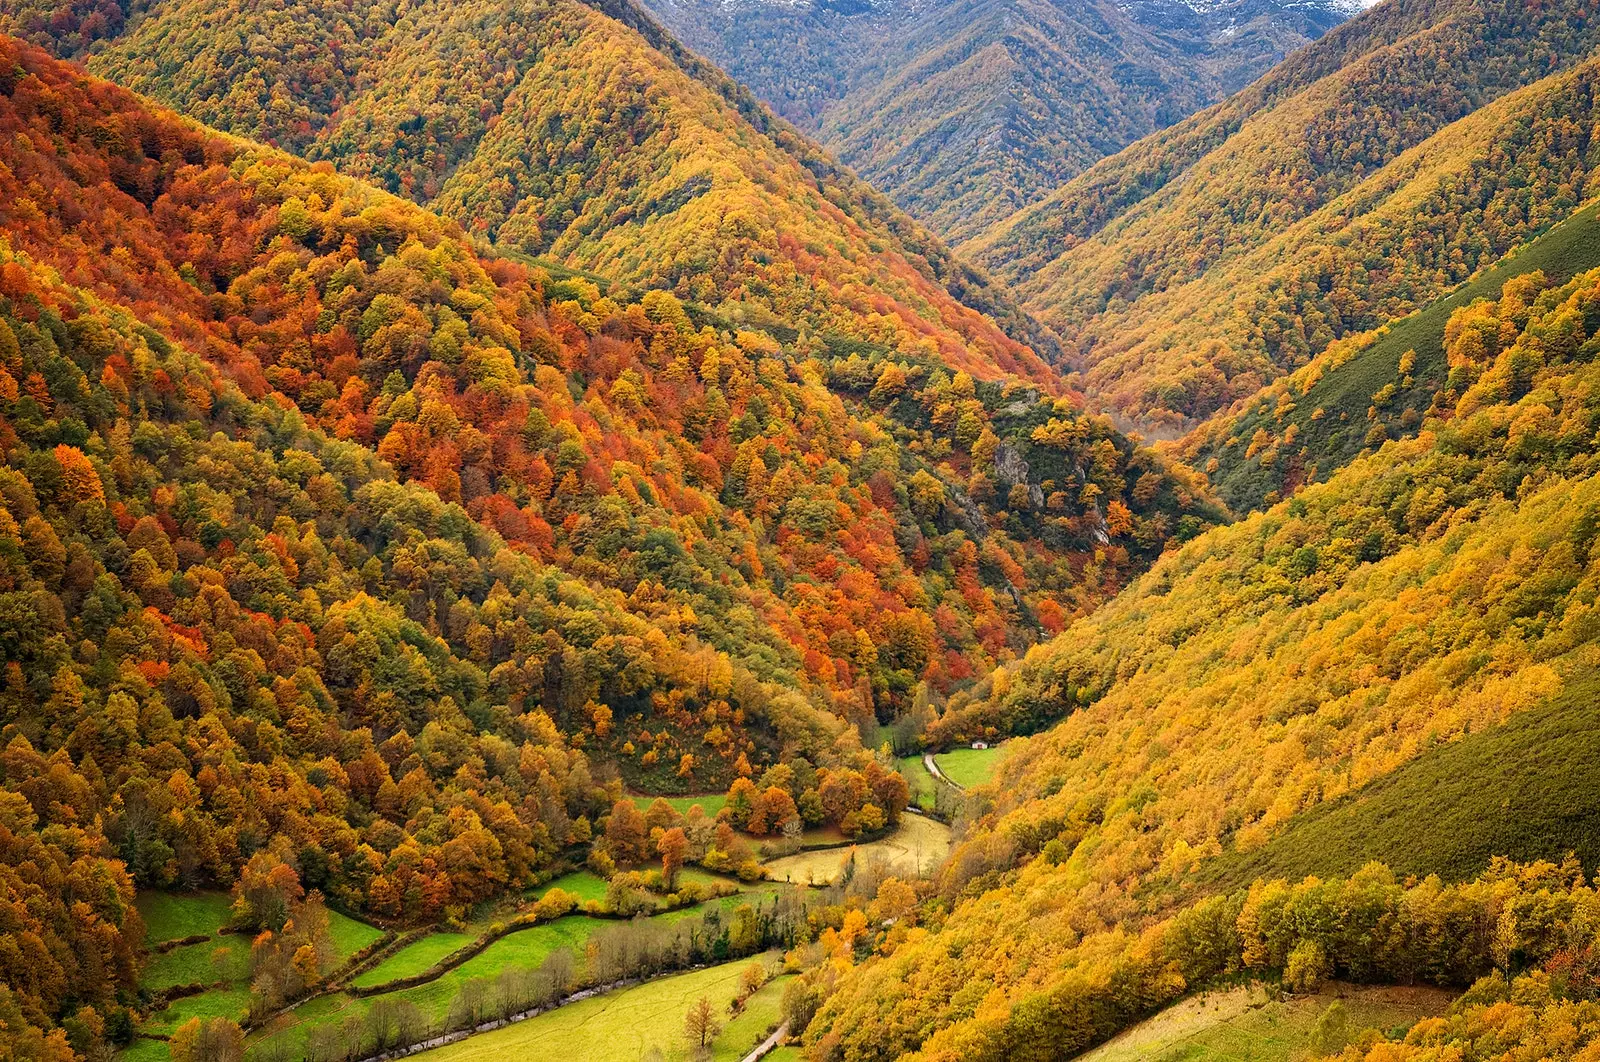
(1528, 789)
(1364, 390)
(965, 111)
(1357, 181)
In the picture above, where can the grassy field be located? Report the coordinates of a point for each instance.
(1244, 1025)
(145, 1049)
(711, 803)
(293, 1026)
(704, 877)
(583, 884)
(921, 782)
(350, 936)
(760, 1016)
(525, 949)
(969, 767)
(1528, 789)
(230, 1002)
(174, 916)
(915, 849)
(786, 1054)
(414, 958)
(200, 963)
(617, 1027)
(1565, 250)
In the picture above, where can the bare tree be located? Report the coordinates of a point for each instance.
(468, 1007)
(383, 1023)
(409, 1024)
(323, 1044)
(276, 1049)
(353, 1037)
(559, 966)
(700, 1027)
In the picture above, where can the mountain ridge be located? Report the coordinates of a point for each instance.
(1138, 257)
(1089, 78)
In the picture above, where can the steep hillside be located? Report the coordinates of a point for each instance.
(328, 543)
(1439, 588)
(582, 134)
(965, 111)
(1359, 180)
(1366, 389)
(811, 520)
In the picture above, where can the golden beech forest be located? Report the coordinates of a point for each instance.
(1322, 201)
(319, 525)
(507, 548)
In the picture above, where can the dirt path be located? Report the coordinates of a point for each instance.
(933, 769)
(765, 1047)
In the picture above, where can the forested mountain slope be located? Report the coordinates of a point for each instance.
(321, 532)
(965, 111)
(1438, 588)
(1365, 389)
(586, 135)
(1361, 178)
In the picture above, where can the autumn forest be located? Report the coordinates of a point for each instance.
(508, 548)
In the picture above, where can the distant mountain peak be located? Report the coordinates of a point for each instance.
(904, 90)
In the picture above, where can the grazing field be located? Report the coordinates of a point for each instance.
(616, 1027)
(914, 850)
(175, 916)
(523, 949)
(223, 958)
(760, 1016)
(414, 958)
(701, 876)
(969, 767)
(583, 884)
(230, 1002)
(710, 803)
(145, 1049)
(921, 782)
(350, 936)
(1528, 789)
(287, 1032)
(1245, 1025)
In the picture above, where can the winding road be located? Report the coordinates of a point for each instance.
(933, 769)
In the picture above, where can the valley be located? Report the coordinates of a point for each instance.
(567, 959)
(955, 531)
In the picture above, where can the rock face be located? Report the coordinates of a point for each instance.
(1012, 468)
(965, 111)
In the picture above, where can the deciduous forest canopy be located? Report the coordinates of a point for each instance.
(495, 522)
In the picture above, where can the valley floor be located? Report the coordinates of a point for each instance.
(430, 968)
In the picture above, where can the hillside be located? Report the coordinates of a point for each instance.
(1363, 177)
(538, 550)
(1365, 389)
(806, 519)
(1395, 622)
(653, 169)
(965, 111)
(320, 531)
